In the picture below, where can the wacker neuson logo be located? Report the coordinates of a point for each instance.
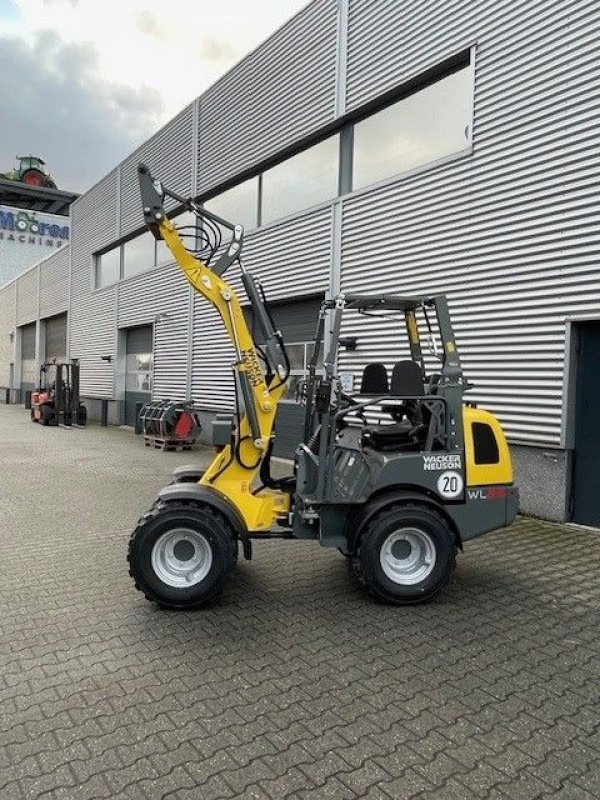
(442, 462)
(25, 228)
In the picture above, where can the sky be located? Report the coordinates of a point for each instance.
(85, 82)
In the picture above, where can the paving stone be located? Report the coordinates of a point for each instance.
(293, 685)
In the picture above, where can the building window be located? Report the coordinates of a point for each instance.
(238, 205)
(138, 254)
(299, 354)
(423, 127)
(108, 267)
(304, 180)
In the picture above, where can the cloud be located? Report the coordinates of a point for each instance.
(149, 23)
(56, 105)
(218, 51)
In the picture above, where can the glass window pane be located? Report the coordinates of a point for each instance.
(428, 125)
(108, 267)
(238, 205)
(296, 357)
(302, 181)
(138, 254)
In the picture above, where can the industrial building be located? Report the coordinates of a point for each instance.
(32, 217)
(366, 146)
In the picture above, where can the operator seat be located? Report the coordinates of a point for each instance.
(407, 379)
(374, 381)
(408, 431)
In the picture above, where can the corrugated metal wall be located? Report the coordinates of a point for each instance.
(291, 259)
(161, 298)
(92, 313)
(168, 153)
(7, 327)
(54, 283)
(392, 41)
(281, 92)
(27, 296)
(509, 232)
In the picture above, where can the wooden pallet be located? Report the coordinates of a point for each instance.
(156, 443)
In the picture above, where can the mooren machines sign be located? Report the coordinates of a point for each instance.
(26, 237)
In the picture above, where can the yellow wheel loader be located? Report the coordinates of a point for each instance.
(397, 475)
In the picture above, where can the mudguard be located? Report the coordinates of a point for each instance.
(380, 501)
(206, 495)
(188, 472)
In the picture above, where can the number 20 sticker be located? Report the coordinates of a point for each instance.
(450, 484)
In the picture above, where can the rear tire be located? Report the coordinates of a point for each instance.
(180, 555)
(406, 554)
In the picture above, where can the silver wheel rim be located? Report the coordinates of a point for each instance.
(181, 558)
(407, 556)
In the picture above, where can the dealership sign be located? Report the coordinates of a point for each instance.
(30, 228)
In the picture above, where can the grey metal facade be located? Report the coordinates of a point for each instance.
(506, 228)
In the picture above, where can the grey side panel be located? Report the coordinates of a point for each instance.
(494, 230)
(279, 93)
(54, 283)
(390, 42)
(169, 155)
(27, 296)
(288, 429)
(92, 329)
(161, 298)
(7, 327)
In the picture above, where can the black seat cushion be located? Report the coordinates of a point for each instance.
(374, 380)
(407, 380)
(399, 436)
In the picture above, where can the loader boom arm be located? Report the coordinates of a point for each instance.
(234, 469)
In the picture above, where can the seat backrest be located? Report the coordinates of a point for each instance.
(407, 379)
(374, 379)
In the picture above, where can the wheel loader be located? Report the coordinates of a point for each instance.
(397, 475)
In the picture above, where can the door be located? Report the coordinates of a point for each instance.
(585, 487)
(138, 370)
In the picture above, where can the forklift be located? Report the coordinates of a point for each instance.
(56, 400)
(397, 476)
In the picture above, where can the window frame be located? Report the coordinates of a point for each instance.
(344, 127)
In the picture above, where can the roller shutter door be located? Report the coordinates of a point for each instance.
(55, 337)
(138, 376)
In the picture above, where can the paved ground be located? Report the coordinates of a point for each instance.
(295, 684)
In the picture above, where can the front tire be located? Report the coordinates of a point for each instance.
(406, 554)
(180, 555)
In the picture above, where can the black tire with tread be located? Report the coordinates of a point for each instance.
(366, 565)
(157, 521)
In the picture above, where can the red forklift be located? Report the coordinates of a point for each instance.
(56, 401)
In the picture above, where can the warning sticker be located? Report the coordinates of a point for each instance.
(440, 462)
(450, 484)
